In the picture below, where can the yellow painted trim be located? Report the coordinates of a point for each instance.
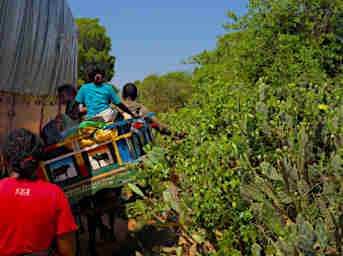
(85, 137)
(44, 171)
(121, 137)
(120, 162)
(79, 159)
(114, 140)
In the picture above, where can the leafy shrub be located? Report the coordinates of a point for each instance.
(166, 92)
(259, 172)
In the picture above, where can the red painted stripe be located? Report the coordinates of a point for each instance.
(83, 170)
(28, 159)
(50, 147)
(98, 149)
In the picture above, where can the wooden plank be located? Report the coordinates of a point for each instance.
(85, 149)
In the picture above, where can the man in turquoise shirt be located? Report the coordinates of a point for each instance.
(97, 97)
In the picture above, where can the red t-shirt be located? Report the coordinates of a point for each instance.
(32, 213)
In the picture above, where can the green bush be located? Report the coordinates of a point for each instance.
(260, 170)
(166, 92)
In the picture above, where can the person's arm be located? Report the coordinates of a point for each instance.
(116, 101)
(66, 244)
(74, 111)
(80, 96)
(161, 128)
(80, 99)
(82, 112)
(65, 235)
(126, 109)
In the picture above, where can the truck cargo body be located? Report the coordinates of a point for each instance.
(38, 52)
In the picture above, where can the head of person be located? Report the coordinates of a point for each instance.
(22, 151)
(96, 74)
(66, 93)
(130, 92)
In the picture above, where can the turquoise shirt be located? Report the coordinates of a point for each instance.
(96, 98)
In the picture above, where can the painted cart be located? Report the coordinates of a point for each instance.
(85, 164)
(90, 165)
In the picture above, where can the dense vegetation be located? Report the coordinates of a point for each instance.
(260, 170)
(94, 47)
(166, 92)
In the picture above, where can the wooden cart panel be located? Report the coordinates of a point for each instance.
(83, 172)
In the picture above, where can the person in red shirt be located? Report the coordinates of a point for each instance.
(34, 214)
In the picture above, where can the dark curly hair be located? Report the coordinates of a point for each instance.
(93, 69)
(68, 88)
(22, 151)
(130, 90)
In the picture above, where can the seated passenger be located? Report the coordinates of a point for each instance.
(97, 97)
(51, 132)
(129, 96)
(67, 94)
(82, 108)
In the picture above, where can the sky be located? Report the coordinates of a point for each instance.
(154, 37)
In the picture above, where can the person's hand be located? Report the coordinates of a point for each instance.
(136, 116)
(59, 122)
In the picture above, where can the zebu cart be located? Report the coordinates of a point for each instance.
(93, 159)
(85, 164)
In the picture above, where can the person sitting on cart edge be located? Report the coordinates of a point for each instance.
(51, 132)
(66, 94)
(97, 97)
(129, 95)
(34, 214)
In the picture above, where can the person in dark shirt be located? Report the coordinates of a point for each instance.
(66, 94)
(52, 131)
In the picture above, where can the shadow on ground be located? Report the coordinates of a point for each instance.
(133, 238)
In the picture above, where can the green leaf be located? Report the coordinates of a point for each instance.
(173, 204)
(198, 238)
(256, 250)
(270, 171)
(179, 251)
(322, 235)
(135, 189)
(306, 237)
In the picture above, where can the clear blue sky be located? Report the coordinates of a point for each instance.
(155, 36)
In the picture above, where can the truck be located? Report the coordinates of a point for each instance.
(38, 53)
